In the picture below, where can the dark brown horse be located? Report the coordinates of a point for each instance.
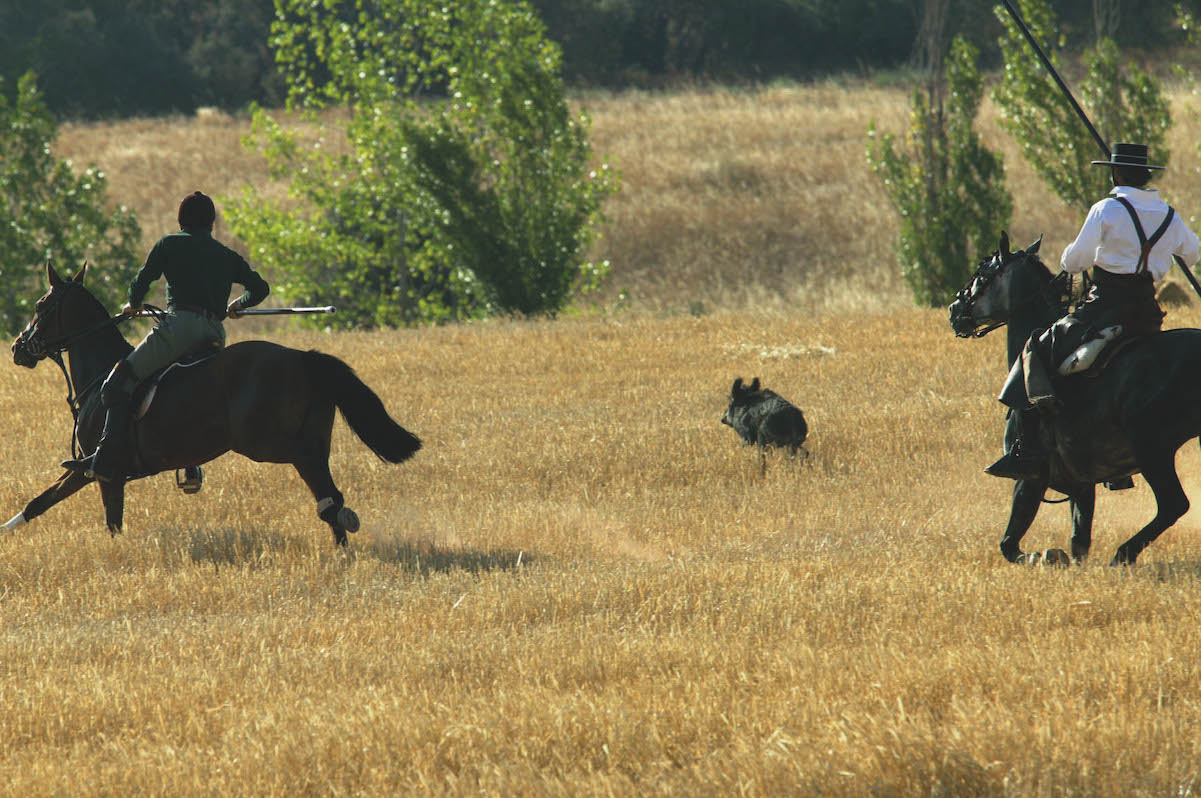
(1128, 418)
(266, 402)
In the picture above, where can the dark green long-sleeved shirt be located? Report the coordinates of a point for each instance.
(200, 271)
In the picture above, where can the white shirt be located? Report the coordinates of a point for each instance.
(1108, 238)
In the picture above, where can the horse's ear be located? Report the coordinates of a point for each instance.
(52, 276)
(1033, 248)
(737, 385)
(1004, 246)
(755, 384)
(79, 275)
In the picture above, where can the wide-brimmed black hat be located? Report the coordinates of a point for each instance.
(1128, 155)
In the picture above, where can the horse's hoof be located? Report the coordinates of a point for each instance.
(1052, 558)
(1056, 558)
(114, 529)
(348, 519)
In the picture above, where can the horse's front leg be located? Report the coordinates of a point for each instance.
(66, 485)
(1084, 501)
(1027, 496)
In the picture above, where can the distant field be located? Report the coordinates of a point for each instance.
(734, 199)
(582, 585)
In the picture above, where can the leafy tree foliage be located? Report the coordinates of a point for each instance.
(1124, 107)
(113, 57)
(947, 187)
(465, 184)
(50, 212)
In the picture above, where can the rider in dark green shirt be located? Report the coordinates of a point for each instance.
(200, 273)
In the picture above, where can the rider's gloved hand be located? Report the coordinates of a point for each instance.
(130, 310)
(234, 310)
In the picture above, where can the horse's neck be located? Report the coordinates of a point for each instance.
(94, 356)
(1030, 309)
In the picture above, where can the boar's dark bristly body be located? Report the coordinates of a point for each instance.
(765, 418)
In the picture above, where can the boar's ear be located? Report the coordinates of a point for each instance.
(755, 384)
(737, 385)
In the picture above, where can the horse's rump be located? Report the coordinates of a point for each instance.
(1149, 390)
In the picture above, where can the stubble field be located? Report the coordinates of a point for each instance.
(582, 585)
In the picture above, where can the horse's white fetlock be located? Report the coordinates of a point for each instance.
(14, 522)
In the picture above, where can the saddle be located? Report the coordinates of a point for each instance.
(1071, 347)
(143, 395)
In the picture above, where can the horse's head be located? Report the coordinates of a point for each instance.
(60, 312)
(983, 304)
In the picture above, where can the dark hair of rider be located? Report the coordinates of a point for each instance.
(197, 210)
(1133, 176)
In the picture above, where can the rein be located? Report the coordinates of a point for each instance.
(56, 346)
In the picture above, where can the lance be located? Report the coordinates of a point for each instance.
(264, 311)
(1083, 117)
(285, 311)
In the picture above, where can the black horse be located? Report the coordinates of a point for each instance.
(1129, 417)
(264, 401)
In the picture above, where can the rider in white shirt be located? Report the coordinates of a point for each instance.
(1129, 239)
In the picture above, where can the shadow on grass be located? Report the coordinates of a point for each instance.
(236, 547)
(426, 559)
(253, 548)
(1171, 571)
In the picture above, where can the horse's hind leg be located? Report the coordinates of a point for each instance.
(1171, 503)
(330, 507)
(66, 485)
(1084, 501)
(1027, 495)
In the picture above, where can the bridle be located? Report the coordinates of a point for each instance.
(1057, 291)
(32, 343)
(37, 347)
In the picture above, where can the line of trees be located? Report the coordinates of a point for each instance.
(113, 58)
(949, 190)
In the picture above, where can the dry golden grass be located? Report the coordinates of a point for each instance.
(582, 585)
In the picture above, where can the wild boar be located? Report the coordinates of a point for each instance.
(765, 418)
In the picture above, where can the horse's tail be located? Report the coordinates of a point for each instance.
(362, 409)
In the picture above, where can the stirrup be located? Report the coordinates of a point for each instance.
(190, 480)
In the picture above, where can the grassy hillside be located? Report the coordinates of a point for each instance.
(582, 585)
(732, 199)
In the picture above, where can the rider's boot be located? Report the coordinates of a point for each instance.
(111, 458)
(1027, 459)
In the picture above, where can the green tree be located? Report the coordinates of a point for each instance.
(1057, 145)
(51, 212)
(464, 186)
(947, 187)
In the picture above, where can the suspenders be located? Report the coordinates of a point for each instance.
(1144, 242)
